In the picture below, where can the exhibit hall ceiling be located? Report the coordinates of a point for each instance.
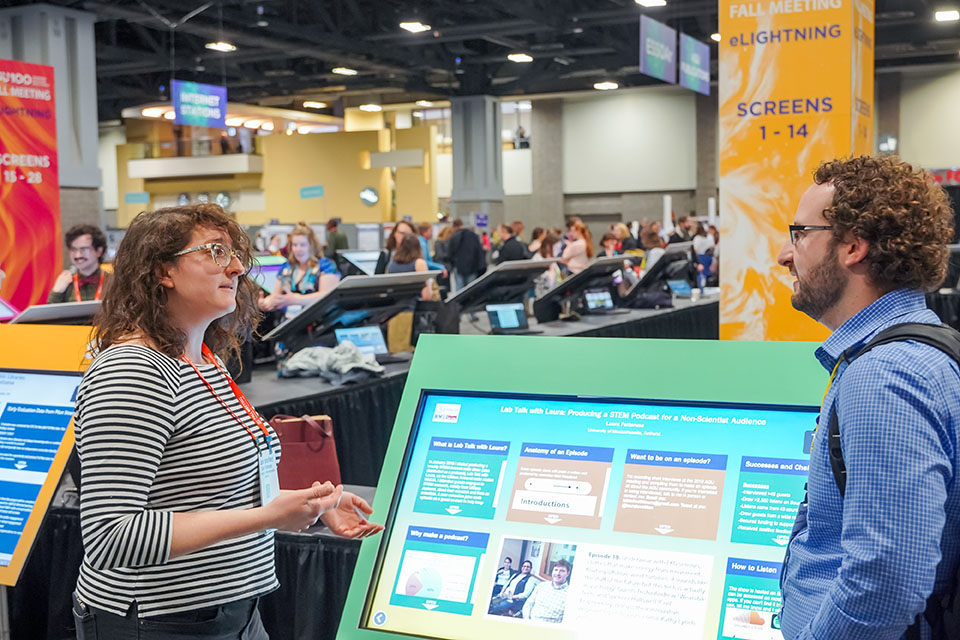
(286, 50)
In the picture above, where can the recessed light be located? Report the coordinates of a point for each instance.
(606, 86)
(424, 103)
(520, 57)
(716, 37)
(267, 126)
(170, 115)
(313, 104)
(344, 71)
(947, 15)
(651, 3)
(371, 108)
(252, 124)
(153, 112)
(233, 121)
(221, 46)
(415, 26)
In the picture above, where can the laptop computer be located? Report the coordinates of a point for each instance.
(600, 301)
(368, 340)
(509, 320)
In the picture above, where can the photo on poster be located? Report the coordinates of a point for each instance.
(532, 581)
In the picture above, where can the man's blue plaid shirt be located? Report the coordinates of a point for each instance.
(862, 567)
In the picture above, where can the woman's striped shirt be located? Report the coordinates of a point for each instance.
(152, 441)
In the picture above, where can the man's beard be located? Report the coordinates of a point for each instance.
(821, 288)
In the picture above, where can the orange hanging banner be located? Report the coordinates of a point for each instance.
(796, 89)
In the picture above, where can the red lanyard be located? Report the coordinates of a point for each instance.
(76, 287)
(242, 399)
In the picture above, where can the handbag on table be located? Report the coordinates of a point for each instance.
(309, 453)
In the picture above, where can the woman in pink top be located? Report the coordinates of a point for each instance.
(576, 255)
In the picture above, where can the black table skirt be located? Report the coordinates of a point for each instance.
(314, 573)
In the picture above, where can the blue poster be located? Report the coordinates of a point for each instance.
(200, 105)
(694, 64)
(658, 50)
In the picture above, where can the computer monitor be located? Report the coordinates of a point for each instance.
(266, 270)
(356, 300)
(366, 339)
(36, 408)
(507, 316)
(7, 311)
(598, 275)
(678, 262)
(666, 516)
(353, 263)
(952, 280)
(62, 313)
(507, 282)
(598, 299)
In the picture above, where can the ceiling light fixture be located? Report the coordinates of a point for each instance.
(418, 114)
(266, 126)
(716, 37)
(371, 108)
(221, 46)
(424, 103)
(252, 124)
(170, 115)
(304, 128)
(947, 15)
(651, 3)
(344, 71)
(313, 104)
(606, 85)
(520, 57)
(153, 112)
(261, 21)
(415, 26)
(233, 121)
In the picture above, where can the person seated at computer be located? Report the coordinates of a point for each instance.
(627, 241)
(407, 258)
(608, 245)
(576, 255)
(654, 245)
(512, 597)
(308, 276)
(512, 248)
(703, 241)
(85, 279)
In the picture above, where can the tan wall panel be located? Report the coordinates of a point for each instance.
(417, 186)
(335, 160)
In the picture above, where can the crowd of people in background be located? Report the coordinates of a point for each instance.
(459, 253)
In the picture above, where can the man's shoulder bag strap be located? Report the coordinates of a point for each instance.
(942, 611)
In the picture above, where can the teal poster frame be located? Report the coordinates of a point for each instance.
(778, 373)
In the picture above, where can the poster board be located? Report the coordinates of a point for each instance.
(59, 352)
(541, 371)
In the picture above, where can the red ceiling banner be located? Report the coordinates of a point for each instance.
(30, 238)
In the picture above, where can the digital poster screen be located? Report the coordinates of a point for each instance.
(519, 516)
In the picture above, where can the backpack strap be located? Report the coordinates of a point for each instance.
(942, 337)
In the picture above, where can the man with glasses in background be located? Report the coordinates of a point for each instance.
(85, 279)
(877, 535)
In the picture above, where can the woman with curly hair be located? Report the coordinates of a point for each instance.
(180, 498)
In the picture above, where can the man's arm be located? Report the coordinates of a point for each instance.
(893, 431)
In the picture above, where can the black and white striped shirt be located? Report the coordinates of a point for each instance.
(153, 440)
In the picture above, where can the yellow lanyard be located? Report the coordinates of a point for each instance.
(833, 374)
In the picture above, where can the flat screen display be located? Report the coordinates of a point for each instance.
(6, 310)
(522, 516)
(366, 261)
(507, 316)
(35, 411)
(598, 299)
(266, 275)
(366, 339)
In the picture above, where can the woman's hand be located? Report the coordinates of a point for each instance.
(299, 510)
(349, 518)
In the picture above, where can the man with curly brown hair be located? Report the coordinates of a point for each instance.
(869, 237)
